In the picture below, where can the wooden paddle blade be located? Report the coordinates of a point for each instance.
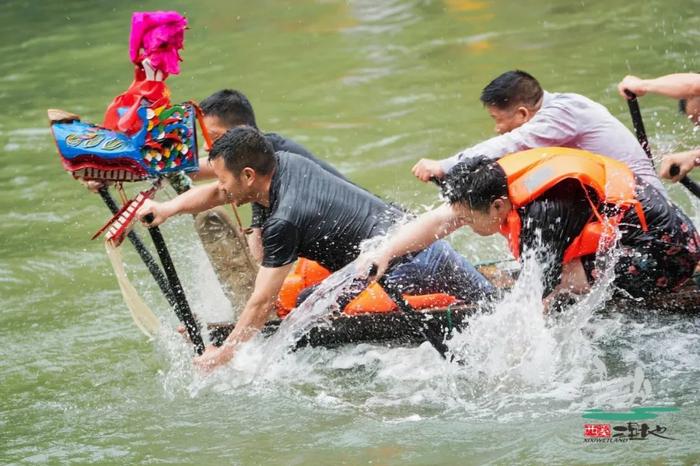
(141, 249)
(142, 315)
(228, 253)
(61, 116)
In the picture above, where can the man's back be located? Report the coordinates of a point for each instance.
(283, 144)
(662, 256)
(597, 131)
(319, 216)
(569, 120)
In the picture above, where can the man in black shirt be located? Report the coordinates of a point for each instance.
(311, 214)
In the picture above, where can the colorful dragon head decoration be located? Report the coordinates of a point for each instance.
(143, 135)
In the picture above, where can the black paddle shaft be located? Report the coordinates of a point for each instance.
(182, 308)
(143, 252)
(638, 124)
(412, 317)
(641, 133)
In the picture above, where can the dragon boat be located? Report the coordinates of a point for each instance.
(145, 137)
(373, 317)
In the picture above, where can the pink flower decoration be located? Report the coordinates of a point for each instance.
(158, 36)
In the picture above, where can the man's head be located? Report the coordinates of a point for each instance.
(691, 108)
(227, 109)
(512, 99)
(477, 190)
(243, 161)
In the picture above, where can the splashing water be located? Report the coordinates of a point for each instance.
(320, 304)
(519, 363)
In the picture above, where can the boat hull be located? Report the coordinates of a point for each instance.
(393, 329)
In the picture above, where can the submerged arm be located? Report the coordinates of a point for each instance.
(267, 285)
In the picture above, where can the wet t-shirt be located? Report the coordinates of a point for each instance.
(550, 223)
(319, 216)
(282, 144)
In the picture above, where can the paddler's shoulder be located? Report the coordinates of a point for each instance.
(567, 100)
(287, 160)
(283, 143)
(277, 140)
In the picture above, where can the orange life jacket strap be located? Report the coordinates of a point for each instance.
(511, 230)
(640, 213)
(200, 119)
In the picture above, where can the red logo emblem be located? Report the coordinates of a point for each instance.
(596, 431)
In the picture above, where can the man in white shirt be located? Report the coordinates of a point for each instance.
(527, 117)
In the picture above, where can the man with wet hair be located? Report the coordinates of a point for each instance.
(527, 117)
(554, 205)
(312, 214)
(686, 88)
(229, 108)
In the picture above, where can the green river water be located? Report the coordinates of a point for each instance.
(370, 86)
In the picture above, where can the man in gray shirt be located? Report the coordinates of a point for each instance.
(527, 117)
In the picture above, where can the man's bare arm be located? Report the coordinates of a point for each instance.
(677, 85)
(684, 161)
(416, 235)
(267, 285)
(254, 240)
(197, 199)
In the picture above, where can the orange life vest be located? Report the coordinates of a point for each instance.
(373, 299)
(532, 172)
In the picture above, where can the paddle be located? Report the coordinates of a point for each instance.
(691, 185)
(641, 133)
(412, 317)
(142, 251)
(182, 308)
